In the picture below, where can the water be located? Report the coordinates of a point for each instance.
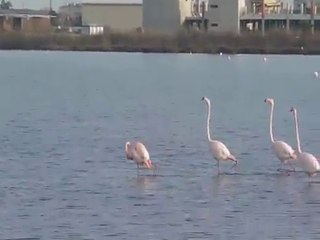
(66, 116)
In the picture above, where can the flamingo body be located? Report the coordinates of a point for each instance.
(219, 151)
(309, 163)
(283, 151)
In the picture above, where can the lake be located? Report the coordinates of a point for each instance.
(65, 117)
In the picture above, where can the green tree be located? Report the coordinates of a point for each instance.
(5, 4)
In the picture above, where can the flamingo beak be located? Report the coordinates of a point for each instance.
(265, 100)
(149, 164)
(202, 99)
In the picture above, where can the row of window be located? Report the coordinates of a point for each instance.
(214, 6)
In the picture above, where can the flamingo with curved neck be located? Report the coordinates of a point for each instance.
(139, 154)
(219, 151)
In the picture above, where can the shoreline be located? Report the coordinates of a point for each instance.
(273, 43)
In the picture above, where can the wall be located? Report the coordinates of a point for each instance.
(27, 25)
(224, 15)
(121, 17)
(36, 24)
(162, 16)
(185, 9)
(165, 15)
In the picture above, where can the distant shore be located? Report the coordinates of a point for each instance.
(181, 42)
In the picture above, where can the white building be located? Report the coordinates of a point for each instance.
(165, 15)
(224, 15)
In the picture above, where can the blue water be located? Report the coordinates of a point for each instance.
(65, 117)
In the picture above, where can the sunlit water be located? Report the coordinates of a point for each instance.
(66, 116)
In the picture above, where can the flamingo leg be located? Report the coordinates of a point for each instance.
(292, 167)
(281, 167)
(219, 168)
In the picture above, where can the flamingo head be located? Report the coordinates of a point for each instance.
(207, 100)
(293, 110)
(269, 100)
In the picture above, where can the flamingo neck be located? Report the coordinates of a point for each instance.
(208, 122)
(129, 151)
(270, 124)
(297, 132)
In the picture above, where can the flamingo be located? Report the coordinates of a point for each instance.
(308, 162)
(282, 150)
(316, 74)
(219, 151)
(139, 154)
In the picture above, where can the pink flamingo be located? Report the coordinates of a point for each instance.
(282, 150)
(219, 151)
(139, 154)
(309, 162)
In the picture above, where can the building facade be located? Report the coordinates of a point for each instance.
(24, 20)
(120, 17)
(165, 15)
(301, 6)
(70, 15)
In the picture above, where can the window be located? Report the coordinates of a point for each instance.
(214, 24)
(213, 6)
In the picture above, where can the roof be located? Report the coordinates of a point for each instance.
(24, 13)
(112, 4)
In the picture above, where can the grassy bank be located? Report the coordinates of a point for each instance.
(196, 42)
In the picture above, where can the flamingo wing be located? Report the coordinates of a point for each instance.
(220, 151)
(309, 162)
(142, 151)
(143, 154)
(283, 150)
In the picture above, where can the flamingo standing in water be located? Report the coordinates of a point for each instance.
(219, 151)
(282, 150)
(139, 154)
(308, 162)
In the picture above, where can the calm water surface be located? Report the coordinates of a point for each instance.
(66, 116)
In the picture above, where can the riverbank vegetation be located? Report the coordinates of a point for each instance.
(183, 41)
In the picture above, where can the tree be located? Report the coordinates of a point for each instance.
(5, 4)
